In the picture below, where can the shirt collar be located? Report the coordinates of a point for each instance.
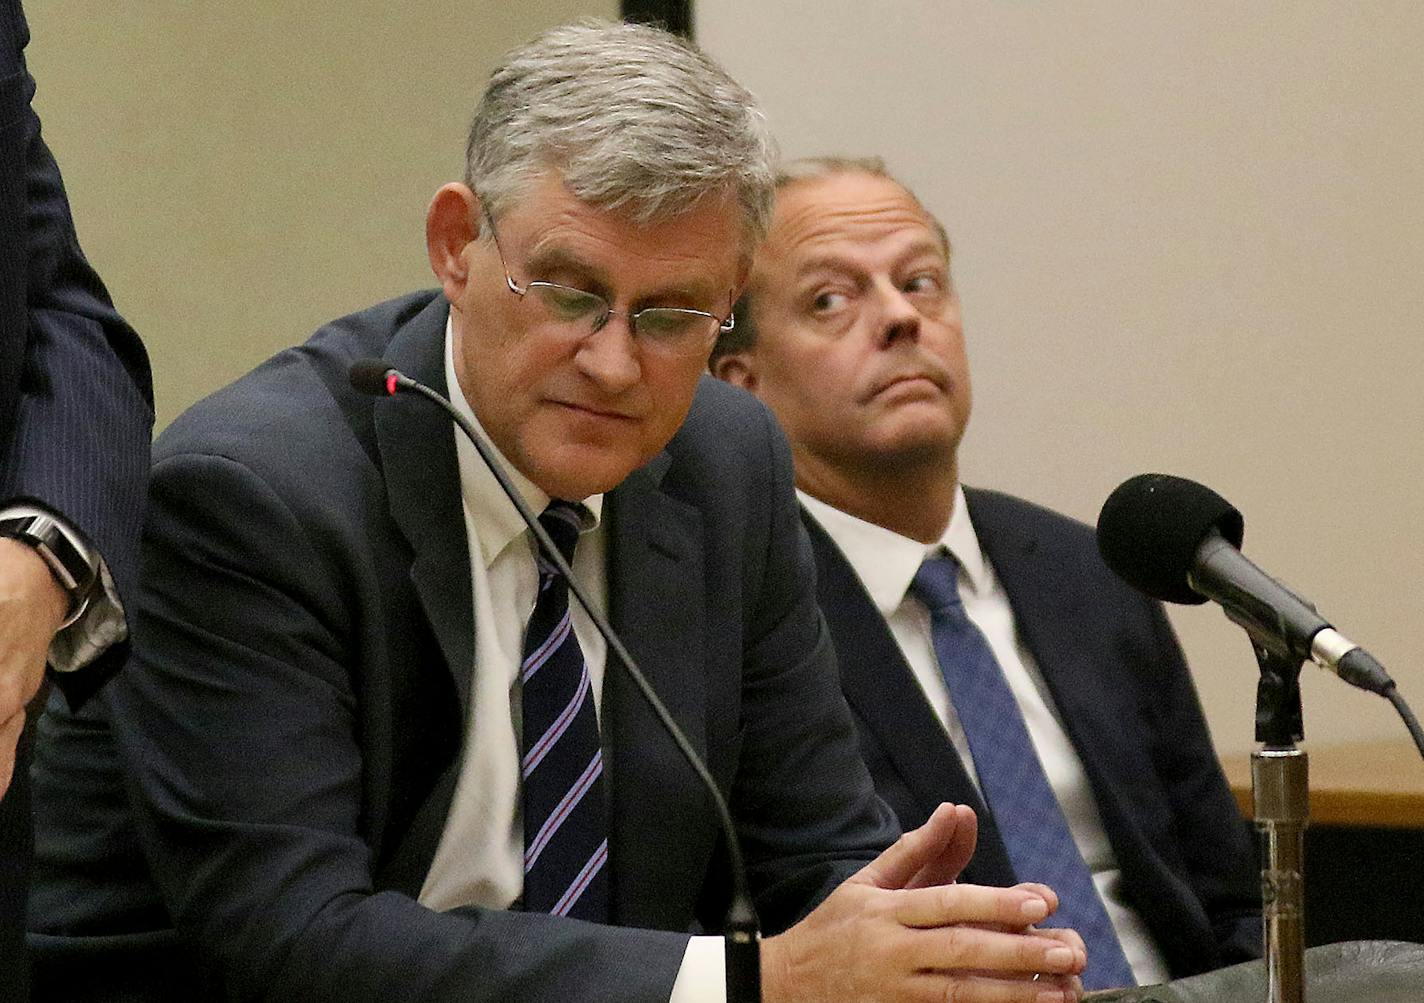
(886, 562)
(497, 518)
(961, 541)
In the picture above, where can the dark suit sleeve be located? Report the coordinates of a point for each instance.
(804, 802)
(1213, 838)
(802, 798)
(239, 723)
(77, 409)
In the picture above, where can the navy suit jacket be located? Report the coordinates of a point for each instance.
(1123, 691)
(292, 718)
(75, 410)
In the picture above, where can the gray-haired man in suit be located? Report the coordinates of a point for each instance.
(346, 636)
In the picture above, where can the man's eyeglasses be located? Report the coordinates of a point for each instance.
(667, 327)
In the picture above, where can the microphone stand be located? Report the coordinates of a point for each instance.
(1278, 780)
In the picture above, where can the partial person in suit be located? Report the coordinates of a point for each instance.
(336, 783)
(76, 412)
(1076, 688)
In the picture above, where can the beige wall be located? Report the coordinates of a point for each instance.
(1189, 238)
(241, 173)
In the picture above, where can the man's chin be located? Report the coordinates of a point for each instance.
(917, 443)
(579, 472)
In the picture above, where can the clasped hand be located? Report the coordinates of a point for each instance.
(901, 929)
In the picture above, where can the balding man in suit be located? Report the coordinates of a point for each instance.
(989, 656)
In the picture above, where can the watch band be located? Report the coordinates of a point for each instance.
(70, 568)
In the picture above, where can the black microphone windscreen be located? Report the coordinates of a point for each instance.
(1151, 527)
(369, 376)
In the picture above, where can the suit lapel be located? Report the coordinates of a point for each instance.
(655, 577)
(1049, 607)
(417, 447)
(880, 686)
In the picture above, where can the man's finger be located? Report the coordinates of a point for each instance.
(1065, 935)
(1011, 909)
(946, 866)
(1045, 892)
(966, 948)
(921, 849)
(936, 987)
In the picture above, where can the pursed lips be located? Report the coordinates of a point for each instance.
(594, 411)
(888, 383)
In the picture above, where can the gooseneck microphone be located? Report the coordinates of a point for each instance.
(1179, 541)
(742, 931)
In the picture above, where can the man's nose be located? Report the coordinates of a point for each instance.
(609, 356)
(898, 318)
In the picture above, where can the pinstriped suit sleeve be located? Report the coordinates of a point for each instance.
(76, 397)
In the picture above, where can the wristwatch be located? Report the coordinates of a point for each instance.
(75, 574)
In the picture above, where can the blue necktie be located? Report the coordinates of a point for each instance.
(1031, 821)
(565, 805)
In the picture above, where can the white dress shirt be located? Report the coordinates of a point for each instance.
(886, 563)
(480, 859)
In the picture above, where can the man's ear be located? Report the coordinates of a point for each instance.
(737, 369)
(451, 224)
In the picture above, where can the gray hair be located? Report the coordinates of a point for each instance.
(743, 335)
(631, 117)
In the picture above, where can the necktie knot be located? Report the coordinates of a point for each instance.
(563, 521)
(936, 583)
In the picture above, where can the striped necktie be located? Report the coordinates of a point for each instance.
(1030, 819)
(565, 805)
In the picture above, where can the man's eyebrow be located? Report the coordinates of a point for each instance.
(929, 246)
(825, 263)
(554, 259)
